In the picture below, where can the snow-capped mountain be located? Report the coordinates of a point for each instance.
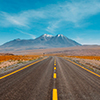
(59, 35)
(44, 41)
(47, 35)
(44, 38)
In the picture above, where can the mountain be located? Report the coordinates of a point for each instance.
(42, 42)
(62, 41)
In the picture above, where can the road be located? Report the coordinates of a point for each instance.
(36, 82)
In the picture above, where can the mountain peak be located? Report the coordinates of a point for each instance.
(18, 39)
(44, 41)
(60, 35)
(47, 35)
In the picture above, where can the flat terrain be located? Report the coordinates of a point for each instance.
(90, 50)
(36, 82)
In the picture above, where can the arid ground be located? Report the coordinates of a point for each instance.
(76, 51)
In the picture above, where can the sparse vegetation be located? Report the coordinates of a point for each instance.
(90, 62)
(86, 57)
(8, 62)
(18, 57)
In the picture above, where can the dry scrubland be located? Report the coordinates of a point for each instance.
(88, 56)
(18, 57)
(91, 62)
(11, 61)
(71, 51)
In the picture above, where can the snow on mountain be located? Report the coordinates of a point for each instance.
(47, 35)
(60, 35)
(44, 41)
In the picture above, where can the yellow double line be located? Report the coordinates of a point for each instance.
(84, 68)
(20, 69)
(54, 95)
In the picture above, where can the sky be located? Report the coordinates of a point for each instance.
(28, 19)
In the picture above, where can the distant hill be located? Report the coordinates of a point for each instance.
(42, 42)
(3, 54)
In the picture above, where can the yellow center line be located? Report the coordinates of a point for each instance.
(55, 60)
(55, 96)
(54, 64)
(54, 68)
(54, 75)
(84, 68)
(20, 69)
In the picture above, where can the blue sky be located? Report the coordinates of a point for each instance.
(26, 19)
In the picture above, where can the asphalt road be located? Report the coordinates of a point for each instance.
(36, 82)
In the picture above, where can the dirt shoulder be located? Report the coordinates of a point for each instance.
(93, 65)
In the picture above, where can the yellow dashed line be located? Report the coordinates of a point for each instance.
(55, 96)
(20, 69)
(54, 68)
(83, 68)
(54, 75)
(55, 64)
(55, 61)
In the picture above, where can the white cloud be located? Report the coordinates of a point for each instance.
(20, 19)
(10, 20)
(68, 12)
(31, 35)
(72, 13)
(52, 26)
